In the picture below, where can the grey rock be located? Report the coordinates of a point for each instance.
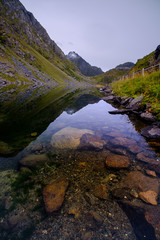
(147, 117)
(135, 103)
(151, 132)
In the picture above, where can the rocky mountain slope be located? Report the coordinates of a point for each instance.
(28, 56)
(84, 67)
(115, 73)
(149, 60)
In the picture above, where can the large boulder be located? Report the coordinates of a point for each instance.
(68, 138)
(53, 195)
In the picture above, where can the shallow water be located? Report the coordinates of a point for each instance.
(87, 135)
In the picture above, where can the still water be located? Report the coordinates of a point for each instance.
(105, 163)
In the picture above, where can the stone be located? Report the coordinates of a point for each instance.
(140, 183)
(151, 132)
(152, 214)
(147, 116)
(123, 142)
(90, 141)
(117, 161)
(87, 236)
(109, 98)
(135, 103)
(151, 173)
(74, 210)
(149, 197)
(53, 195)
(120, 111)
(33, 160)
(135, 148)
(116, 150)
(141, 157)
(96, 217)
(68, 138)
(90, 199)
(100, 191)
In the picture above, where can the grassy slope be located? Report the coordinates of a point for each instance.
(110, 76)
(145, 62)
(149, 86)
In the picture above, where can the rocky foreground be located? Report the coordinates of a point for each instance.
(95, 187)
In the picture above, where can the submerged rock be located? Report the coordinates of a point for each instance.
(117, 161)
(53, 195)
(100, 191)
(141, 183)
(149, 197)
(68, 138)
(90, 141)
(33, 160)
(124, 142)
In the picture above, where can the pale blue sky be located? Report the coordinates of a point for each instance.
(104, 32)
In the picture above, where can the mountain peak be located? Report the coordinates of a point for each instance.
(84, 67)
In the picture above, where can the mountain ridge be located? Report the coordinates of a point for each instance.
(84, 67)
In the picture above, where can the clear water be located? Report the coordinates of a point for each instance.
(82, 215)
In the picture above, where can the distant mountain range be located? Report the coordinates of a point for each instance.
(115, 73)
(84, 67)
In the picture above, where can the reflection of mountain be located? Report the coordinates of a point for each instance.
(81, 102)
(18, 121)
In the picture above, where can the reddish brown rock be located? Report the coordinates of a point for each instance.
(151, 173)
(149, 197)
(101, 192)
(138, 181)
(117, 161)
(53, 195)
(152, 216)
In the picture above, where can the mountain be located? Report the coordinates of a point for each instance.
(149, 60)
(115, 73)
(84, 67)
(28, 56)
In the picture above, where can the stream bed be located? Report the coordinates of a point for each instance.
(88, 175)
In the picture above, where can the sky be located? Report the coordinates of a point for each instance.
(105, 33)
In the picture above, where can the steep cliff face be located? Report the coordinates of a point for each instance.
(15, 19)
(28, 56)
(84, 67)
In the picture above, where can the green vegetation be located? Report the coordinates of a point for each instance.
(149, 86)
(110, 75)
(145, 62)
